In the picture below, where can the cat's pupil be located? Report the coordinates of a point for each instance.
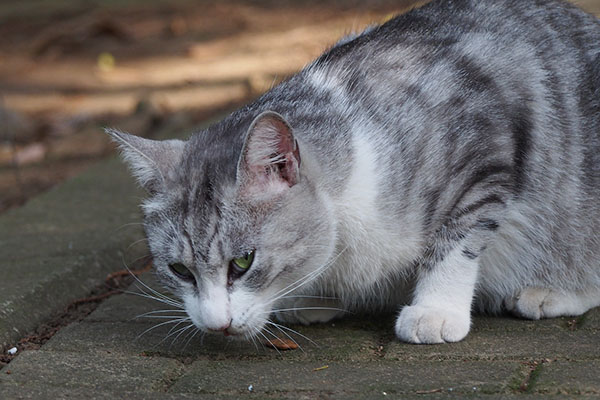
(239, 266)
(182, 272)
(244, 262)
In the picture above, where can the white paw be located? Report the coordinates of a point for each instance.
(307, 310)
(528, 303)
(419, 324)
(536, 303)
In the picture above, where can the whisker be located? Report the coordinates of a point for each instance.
(308, 297)
(251, 336)
(181, 333)
(313, 275)
(158, 325)
(173, 331)
(158, 312)
(269, 341)
(173, 328)
(293, 331)
(306, 279)
(153, 291)
(129, 224)
(295, 285)
(157, 294)
(147, 255)
(162, 316)
(263, 335)
(308, 308)
(190, 338)
(147, 296)
(136, 242)
(288, 336)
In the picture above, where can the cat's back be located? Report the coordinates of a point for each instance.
(443, 23)
(499, 63)
(458, 88)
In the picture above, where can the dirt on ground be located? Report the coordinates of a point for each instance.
(115, 283)
(70, 68)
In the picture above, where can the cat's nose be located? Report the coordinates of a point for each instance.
(223, 328)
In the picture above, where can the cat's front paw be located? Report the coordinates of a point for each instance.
(421, 324)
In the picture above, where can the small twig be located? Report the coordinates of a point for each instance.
(93, 299)
(124, 272)
(281, 344)
(428, 391)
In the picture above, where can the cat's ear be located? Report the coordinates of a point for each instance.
(150, 161)
(270, 159)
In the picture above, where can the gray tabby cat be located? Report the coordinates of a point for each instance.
(449, 158)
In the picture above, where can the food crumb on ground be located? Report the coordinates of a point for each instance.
(282, 344)
(12, 351)
(250, 388)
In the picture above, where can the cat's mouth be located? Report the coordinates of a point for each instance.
(229, 331)
(225, 332)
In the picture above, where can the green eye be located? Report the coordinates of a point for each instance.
(182, 272)
(243, 263)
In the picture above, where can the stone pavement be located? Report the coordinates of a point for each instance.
(108, 355)
(56, 248)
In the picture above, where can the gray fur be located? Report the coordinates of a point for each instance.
(476, 124)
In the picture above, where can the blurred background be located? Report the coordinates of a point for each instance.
(149, 67)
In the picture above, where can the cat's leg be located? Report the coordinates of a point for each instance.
(536, 303)
(308, 310)
(441, 308)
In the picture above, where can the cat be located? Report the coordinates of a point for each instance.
(445, 162)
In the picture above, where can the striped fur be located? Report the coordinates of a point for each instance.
(448, 159)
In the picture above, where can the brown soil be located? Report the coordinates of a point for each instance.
(69, 68)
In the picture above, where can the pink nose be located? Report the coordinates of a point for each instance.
(222, 328)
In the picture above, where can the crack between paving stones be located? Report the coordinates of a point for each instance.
(382, 344)
(534, 368)
(170, 379)
(577, 323)
(76, 311)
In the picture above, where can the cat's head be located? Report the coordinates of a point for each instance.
(234, 220)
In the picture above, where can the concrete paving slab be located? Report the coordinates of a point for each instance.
(498, 345)
(62, 244)
(569, 378)
(372, 378)
(590, 320)
(124, 338)
(339, 342)
(509, 323)
(41, 391)
(114, 372)
(127, 306)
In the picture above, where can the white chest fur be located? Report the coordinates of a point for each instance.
(375, 249)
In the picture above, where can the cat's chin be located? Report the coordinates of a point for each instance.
(231, 333)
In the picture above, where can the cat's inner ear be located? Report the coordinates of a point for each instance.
(270, 159)
(151, 162)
